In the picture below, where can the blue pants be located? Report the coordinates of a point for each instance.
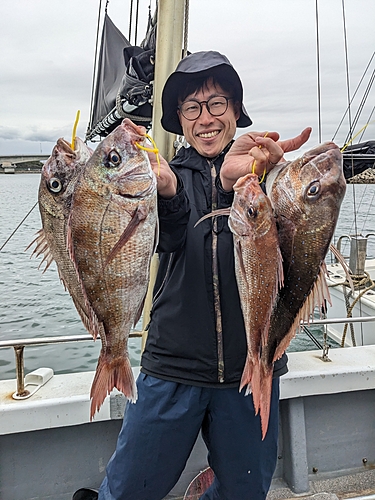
(159, 432)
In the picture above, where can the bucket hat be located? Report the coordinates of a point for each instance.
(199, 64)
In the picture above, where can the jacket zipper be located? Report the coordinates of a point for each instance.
(215, 279)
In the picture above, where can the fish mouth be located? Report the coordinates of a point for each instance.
(137, 132)
(64, 146)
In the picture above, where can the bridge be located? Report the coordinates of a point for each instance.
(10, 163)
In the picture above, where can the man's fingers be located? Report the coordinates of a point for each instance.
(296, 142)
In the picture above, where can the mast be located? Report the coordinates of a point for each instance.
(169, 40)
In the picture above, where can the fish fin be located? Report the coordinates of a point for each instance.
(39, 236)
(86, 321)
(42, 247)
(266, 374)
(239, 254)
(317, 297)
(109, 374)
(251, 379)
(280, 270)
(138, 215)
(92, 323)
(214, 213)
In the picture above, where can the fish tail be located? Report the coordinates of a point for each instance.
(251, 379)
(109, 374)
(266, 373)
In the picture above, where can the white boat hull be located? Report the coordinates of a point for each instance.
(49, 448)
(356, 334)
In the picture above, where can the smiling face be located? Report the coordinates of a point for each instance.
(210, 134)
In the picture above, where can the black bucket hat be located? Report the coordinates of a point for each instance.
(199, 64)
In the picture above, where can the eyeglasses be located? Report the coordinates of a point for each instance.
(216, 106)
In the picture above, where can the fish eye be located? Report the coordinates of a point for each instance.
(252, 211)
(114, 159)
(55, 185)
(313, 189)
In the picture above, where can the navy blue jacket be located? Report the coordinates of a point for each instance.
(182, 343)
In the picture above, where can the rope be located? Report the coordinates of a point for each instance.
(360, 281)
(19, 225)
(186, 28)
(124, 114)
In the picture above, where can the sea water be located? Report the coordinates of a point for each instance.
(35, 304)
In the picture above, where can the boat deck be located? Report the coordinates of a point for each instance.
(361, 484)
(326, 444)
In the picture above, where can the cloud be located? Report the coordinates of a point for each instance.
(47, 66)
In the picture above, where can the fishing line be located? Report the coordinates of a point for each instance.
(75, 128)
(151, 150)
(255, 162)
(19, 225)
(352, 139)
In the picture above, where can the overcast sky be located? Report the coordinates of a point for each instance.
(48, 46)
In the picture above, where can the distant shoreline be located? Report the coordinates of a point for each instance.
(366, 177)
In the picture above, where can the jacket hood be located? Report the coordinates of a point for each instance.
(203, 64)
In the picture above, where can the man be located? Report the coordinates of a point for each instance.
(196, 345)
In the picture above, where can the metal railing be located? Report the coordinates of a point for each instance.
(20, 344)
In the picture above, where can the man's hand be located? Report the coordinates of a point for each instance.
(296, 142)
(166, 180)
(266, 152)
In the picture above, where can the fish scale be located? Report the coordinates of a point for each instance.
(253, 225)
(111, 238)
(306, 195)
(58, 178)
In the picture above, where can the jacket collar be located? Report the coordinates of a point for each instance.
(190, 158)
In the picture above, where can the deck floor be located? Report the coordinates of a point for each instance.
(339, 488)
(349, 486)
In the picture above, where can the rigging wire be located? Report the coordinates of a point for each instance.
(136, 23)
(133, 19)
(19, 225)
(361, 106)
(318, 71)
(347, 69)
(368, 121)
(130, 20)
(350, 134)
(95, 67)
(359, 84)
